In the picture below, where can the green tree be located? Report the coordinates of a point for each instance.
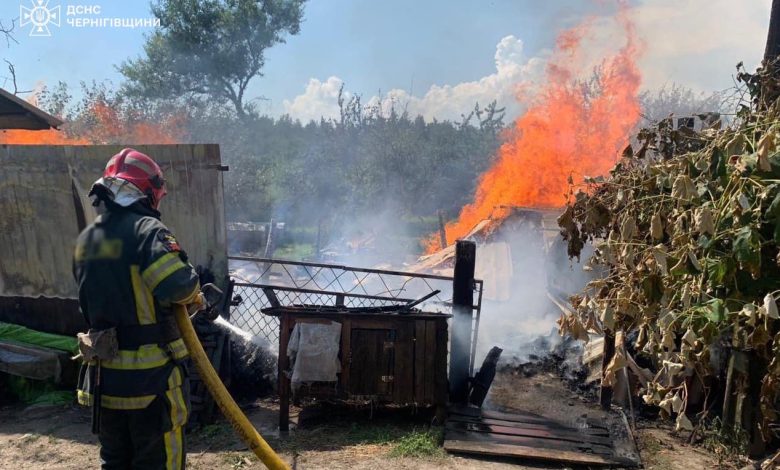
(209, 50)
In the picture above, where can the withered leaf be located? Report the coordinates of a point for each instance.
(683, 423)
(770, 307)
(628, 229)
(656, 227)
(705, 223)
(736, 146)
(766, 145)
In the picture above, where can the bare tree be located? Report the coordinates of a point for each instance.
(7, 32)
(12, 71)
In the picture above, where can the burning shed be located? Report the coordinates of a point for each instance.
(502, 243)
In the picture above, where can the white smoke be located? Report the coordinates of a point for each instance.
(695, 43)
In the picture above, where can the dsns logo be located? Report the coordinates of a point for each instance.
(40, 16)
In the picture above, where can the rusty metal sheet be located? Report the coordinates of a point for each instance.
(39, 190)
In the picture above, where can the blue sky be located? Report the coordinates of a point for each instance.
(373, 45)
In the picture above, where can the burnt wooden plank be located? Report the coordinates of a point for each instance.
(365, 367)
(371, 369)
(550, 455)
(517, 416)
(403, 369)
(558, 434)
(419, 361)
(441, 386)
(387, 355)
(271, 296)
(346, 352)
(369, 323)
(452, 434)
(430, 361)
(551, 426)
(605, 394)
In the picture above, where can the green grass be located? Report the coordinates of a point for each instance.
(367, 434)
(728, 443)
(402, 441)
(210, 431)
(425, 443)
(294, 251)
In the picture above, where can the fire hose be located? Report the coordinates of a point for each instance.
(222, 397)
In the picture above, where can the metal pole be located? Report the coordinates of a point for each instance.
(463, 304)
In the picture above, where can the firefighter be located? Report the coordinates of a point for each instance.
(130, 270)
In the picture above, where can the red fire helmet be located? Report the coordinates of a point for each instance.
(140, 170)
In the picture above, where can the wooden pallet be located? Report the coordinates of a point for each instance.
(525, 435)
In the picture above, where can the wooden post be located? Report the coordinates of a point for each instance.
(773, 35)
(283, 382)
(609, 352)
(757, 367)
(442, 231)
(318, 245)
(729, 403)
(463, 303)
(269, 242)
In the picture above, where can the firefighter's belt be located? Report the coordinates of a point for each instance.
(98, 344)
(162, 332)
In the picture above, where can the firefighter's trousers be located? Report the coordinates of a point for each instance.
(141, 439)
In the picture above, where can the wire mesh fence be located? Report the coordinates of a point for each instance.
(294, 283)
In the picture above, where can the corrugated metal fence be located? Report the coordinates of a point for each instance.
(40, 187)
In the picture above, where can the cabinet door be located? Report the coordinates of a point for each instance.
(372, 361)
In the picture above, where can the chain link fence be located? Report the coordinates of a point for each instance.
(315, 284)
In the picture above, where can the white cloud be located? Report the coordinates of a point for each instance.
(320, 99)
(695, 43)
(440, 101)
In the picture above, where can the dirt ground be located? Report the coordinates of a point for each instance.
(328, 438)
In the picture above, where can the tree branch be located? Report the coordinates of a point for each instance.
(12, 71)
(7, 32)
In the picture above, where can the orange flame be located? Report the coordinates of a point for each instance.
(44, 137)
(563, 134)
(106, 125)
(110, 127)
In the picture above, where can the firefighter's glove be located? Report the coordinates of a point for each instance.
(98, 344)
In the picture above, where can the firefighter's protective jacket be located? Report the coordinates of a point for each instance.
(130, 270)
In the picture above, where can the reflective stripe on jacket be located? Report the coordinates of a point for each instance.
(130, 270)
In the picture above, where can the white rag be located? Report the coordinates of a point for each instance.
(314, 352)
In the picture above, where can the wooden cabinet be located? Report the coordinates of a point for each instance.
(385, 358)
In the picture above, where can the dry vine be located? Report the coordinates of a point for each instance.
(686, 237)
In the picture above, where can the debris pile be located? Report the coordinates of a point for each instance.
(552, 354)
(252, 370)
(252, 364)
(686, 232)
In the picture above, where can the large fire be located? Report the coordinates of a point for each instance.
(45, 137)
(112, 127)
(103, 125)
(564, 134)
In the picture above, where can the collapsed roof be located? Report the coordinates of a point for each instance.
(495, 264)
